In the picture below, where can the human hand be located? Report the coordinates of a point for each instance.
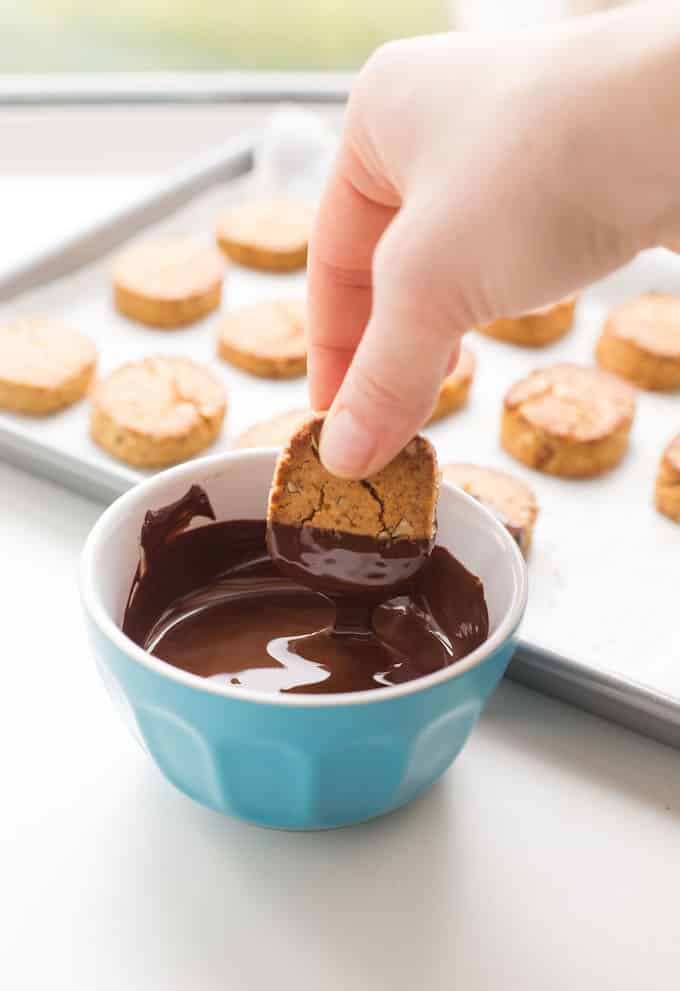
(480, 177)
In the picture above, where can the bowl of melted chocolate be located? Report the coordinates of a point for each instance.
(310, 680)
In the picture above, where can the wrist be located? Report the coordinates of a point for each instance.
(623, 119)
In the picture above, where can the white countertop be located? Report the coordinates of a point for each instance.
(548, 858)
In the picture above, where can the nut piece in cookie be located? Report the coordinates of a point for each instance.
(267, 339)
(44, 366)
(274, 432)
(372, 533)
(455, 388)
(568, 420)
(168, 282)
(157, 411)
(507, 497)
(641, 341)
(667, 490)
(536, 328)
(268, 235)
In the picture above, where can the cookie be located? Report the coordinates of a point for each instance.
(641, 342)
(44, 365)
(507, 497)
(455, 388)
(667, 491)
(271, 235)
(274, 432)
(157, 411)
(267, 339)
(536, 328)
(398, 501)
(168, 282)
(568, 420)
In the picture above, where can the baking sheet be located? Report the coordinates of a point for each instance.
(604, 568)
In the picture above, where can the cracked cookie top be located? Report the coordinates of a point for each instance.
(398, 501)
(573, 401)
(168, 268)
(160, 396)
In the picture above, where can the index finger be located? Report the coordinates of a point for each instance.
(348, 226)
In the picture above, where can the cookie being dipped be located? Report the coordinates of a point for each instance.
(455, 389)
(510, 499)
(45, 366)
(168, 282)
(269, 235)
(157, 411)
(373, 533)
(267, 339)
(667, 488)
(568, 420)
(640, 342)
(274, 432)
(536, 328)
(230, 612)
(368, 547)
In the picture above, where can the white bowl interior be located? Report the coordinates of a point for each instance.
(238, 489)
(238, 485)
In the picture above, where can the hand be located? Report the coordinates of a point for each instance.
(480, 177)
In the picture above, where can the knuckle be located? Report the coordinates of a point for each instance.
(380, 60)
(372, 79)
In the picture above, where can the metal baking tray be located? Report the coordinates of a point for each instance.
(604, 568)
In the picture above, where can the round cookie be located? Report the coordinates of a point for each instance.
(568, 420)
(641, 341)
(274, 432)
(455, 388)
(400, 500)
(44, 365)
(507, 497)
(536, 328)
(266, 339)
(268, 235)
(667, 491)
(168, 282)
(157, 411)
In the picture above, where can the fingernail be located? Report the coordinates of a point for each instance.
(346, 447)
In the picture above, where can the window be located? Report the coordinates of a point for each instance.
(41, 36)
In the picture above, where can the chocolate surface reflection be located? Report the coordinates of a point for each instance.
(210, 600)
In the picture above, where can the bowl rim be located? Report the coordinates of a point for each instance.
(95, 610)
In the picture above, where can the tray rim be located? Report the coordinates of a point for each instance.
(620, 700)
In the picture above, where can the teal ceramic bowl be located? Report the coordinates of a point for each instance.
(286, 761)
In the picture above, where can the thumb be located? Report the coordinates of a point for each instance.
(392, 384)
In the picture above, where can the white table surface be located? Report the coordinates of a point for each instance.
(548, 858)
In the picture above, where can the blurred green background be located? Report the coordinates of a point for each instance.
(136, 35)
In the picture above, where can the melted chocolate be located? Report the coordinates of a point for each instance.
(211, 601)
(344, 564)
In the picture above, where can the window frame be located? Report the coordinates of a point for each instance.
(140, 88)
